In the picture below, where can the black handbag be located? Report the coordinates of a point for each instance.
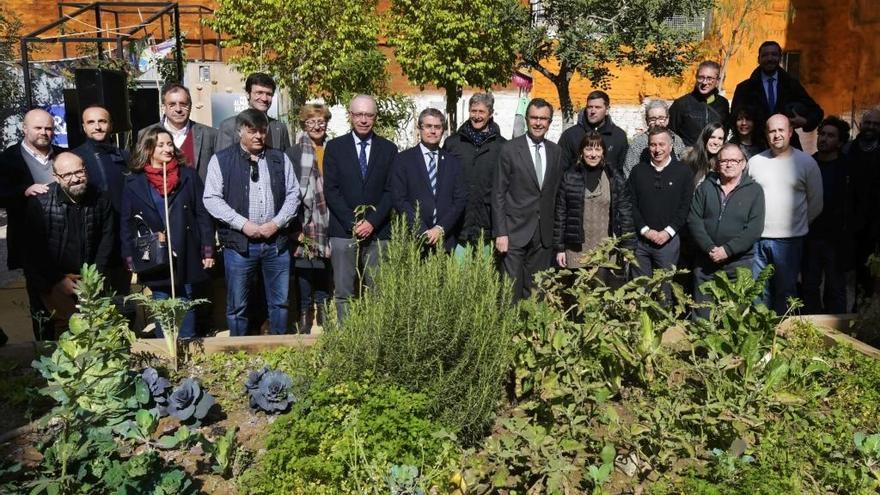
(150, 255)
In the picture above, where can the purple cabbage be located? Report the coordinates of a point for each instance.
(189, 402)
(269, 390)
(159, 388)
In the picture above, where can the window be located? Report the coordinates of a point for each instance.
(699, 23)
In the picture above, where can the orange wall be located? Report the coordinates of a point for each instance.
(632, 85)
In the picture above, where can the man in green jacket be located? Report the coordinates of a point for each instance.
(726, 219)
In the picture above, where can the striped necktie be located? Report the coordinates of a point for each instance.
(432, 177)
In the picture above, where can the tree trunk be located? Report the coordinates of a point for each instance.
(453, 93)
(561, 82)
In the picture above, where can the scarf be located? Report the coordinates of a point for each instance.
(154, 176)
(478, 137)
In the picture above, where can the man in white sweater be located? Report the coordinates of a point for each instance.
(792, 184)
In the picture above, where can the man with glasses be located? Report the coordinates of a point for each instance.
(524, 199)
(772, 90)
(68, 225)
(430, 180)
(357, 187)
(252, 191)
(194, 140)
(690, 113)
(725, 221)
(260, 89)
(661, 191)
(656, 115)
(25, 171)
(792, 185)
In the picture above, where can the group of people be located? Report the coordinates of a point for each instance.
(707, 186)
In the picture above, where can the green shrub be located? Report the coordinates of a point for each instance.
(345, 438)
(432, 323)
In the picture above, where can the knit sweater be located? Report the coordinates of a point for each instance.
(792, 192)
(661, 200)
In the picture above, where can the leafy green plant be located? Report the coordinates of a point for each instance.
(222, 451)
(433, 324)
(344, 439)
(169, 315)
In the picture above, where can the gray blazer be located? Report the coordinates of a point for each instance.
(519, 206)
(204, 138)
(227, 135)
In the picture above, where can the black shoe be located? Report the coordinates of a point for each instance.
(305, 320)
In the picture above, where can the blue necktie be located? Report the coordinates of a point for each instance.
(432, 177)
(362, 159)
(771, 93)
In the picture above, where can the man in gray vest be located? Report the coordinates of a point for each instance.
(252, 191)
(25, 171)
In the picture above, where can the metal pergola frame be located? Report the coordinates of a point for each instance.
(156, 11)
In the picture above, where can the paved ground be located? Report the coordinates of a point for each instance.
(13, 299)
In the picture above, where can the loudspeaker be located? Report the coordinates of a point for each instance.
(106, 88)
(144, 109)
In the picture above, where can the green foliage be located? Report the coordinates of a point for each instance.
(222, 451)
(455, 43)
(88, 373)
(10, 86)
(313, 47)
(169, 314)
(590, 37)
(345, 438)
(431, 323)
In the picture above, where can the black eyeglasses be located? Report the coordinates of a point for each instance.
(255, 171)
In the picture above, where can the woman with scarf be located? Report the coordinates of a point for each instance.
(311, 259)
(143, 211)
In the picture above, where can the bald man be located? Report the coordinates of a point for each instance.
(792, 184)
(357, 167)
(70, 224)
(26, 170)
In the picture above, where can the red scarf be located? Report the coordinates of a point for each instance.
(154, 176)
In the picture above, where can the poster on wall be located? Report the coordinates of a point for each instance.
(57, 112)
(225, 105)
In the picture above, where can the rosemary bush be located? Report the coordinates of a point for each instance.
(431, 323)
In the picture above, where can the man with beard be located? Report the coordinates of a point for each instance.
(106, 166)
(772, 90)
(826, 249)
(595, 117)
(477, 144)
(863, 156)
(692, 112)
(25, 171)
(792, 186)
(68, 225)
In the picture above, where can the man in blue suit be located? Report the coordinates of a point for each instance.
(430, 180)
(357, 188)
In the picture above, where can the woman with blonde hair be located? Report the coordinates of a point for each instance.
(311, 258)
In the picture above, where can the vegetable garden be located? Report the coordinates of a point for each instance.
(435, 384)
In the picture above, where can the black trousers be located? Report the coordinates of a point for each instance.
(521, 263)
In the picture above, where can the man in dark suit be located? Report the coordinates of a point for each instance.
(25, 171)
(260, 89)
(194, 140)
(357, 187)
(772, 90)
(106, 166)
(524, 197)
(430, 180)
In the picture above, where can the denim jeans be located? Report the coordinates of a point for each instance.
(187, 328)
(241, 270)
(785, 255)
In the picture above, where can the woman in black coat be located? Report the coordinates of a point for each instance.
(143, 211)
(591, 205)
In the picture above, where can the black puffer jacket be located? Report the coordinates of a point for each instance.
(478, 164)
(568, 222)
(690, 113)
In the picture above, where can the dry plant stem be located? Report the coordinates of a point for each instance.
(170, 334)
